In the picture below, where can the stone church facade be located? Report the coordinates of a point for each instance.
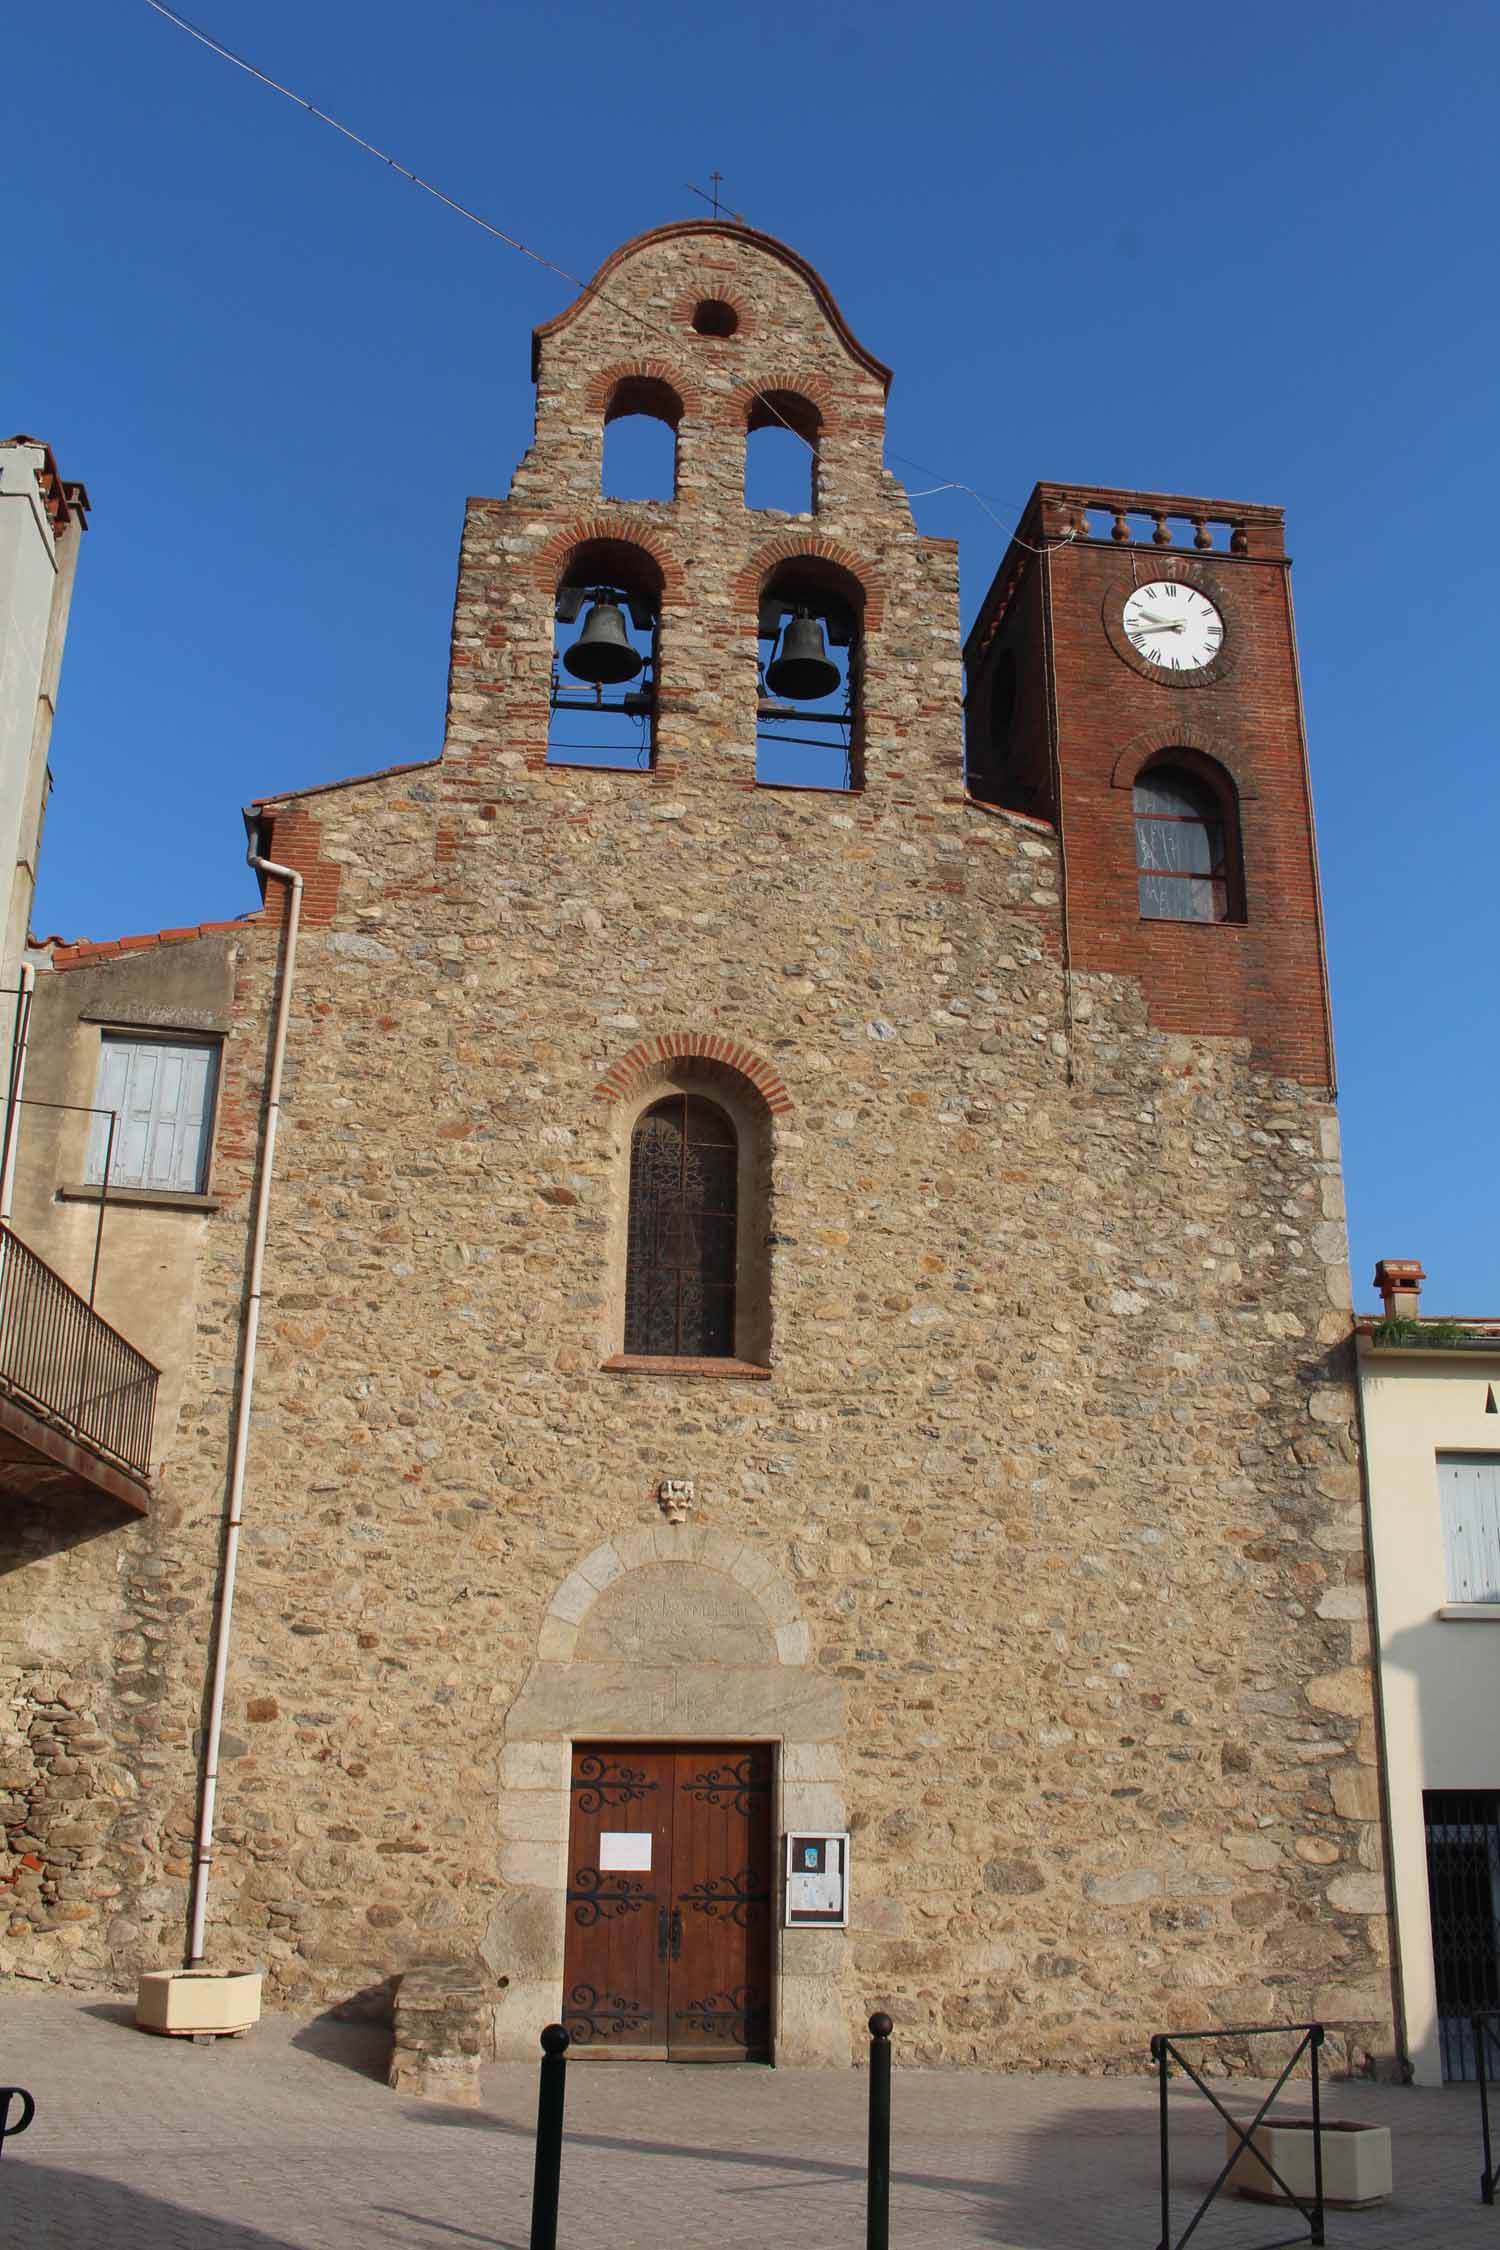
(1008, 1519)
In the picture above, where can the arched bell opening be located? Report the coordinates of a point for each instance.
(640, 440)
(602, 704)
(782, 435)
(809, 731)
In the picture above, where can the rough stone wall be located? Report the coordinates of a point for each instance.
(1055, 1459)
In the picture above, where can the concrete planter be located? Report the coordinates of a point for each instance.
(188, 2003)
(1356, 2162)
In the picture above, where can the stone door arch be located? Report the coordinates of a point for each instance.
(668, 1632)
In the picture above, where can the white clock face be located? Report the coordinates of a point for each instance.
(1173, 625)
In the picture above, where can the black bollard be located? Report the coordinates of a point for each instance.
(1315, 2043)
(1159, 2046)
(549, 2125)
(8, 2132)
(878, 2193)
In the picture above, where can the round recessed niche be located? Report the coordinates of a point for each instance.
(713, 317)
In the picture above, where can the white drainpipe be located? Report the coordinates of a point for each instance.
(8, 1184)
(203, 1846)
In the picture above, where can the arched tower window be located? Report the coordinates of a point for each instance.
(682, 1250)
(640, 440)
(602, 703)
(782, 433)
(1186, 844)
(809, 730)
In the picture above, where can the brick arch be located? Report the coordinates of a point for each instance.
(788, 547)
(711, 288)
(625, 531)
(819, 393)
(721, 244)
(1161, 741)
(608, 380)
(636, 1069)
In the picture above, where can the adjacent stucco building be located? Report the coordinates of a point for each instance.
(798, 1300)
(1430, 1402)
(42, 521)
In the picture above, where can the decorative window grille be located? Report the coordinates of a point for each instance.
(1463, 1895)
(162, 1093)
(1469, 1488)
(681, 1253)
(1179, 849)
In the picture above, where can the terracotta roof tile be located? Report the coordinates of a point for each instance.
(82, 953)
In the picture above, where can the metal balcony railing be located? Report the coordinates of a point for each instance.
(67, 1365)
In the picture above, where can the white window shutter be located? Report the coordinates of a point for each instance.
(162, 1091)
(190, 1137)
(1469, 1486)
(133, 1133)
(114, 1068)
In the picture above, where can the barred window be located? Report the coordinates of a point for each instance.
(1180, 849)
(681, 1252)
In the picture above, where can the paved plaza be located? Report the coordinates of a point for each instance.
(290, 2140)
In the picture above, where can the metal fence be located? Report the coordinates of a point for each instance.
(1486, 2030)
(1463, 1886)
(71, 1367)
(1166, 2049)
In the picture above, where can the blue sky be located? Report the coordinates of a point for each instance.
(1240, 252)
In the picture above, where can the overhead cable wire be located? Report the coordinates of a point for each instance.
(513, 242)
(217, 47)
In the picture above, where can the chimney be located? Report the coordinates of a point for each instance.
(1399, 1281)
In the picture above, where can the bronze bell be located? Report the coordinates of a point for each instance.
(804, 671)
(602, 653)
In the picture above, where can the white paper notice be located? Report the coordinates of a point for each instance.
(818, 1894)
(621, 1852)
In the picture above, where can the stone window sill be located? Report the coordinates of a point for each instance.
(722, 1370)
(1234, 925)
(150, 1199)
(1471, 1613)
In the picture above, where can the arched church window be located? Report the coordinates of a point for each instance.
(681, 1251)
(1184, 847)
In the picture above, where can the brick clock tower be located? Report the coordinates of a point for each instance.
(1132, 678)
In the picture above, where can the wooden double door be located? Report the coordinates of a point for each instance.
(669, 1904)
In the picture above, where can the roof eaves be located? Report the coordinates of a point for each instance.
(351, 781)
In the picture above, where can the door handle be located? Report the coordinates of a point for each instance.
(661, 1935)
(677, 1933)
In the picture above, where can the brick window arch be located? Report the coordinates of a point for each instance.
(682, 1235)
(641, 420)
(690, 1247)
(783, 430)
(1187, 840)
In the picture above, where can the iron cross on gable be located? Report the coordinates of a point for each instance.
(720, 208)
